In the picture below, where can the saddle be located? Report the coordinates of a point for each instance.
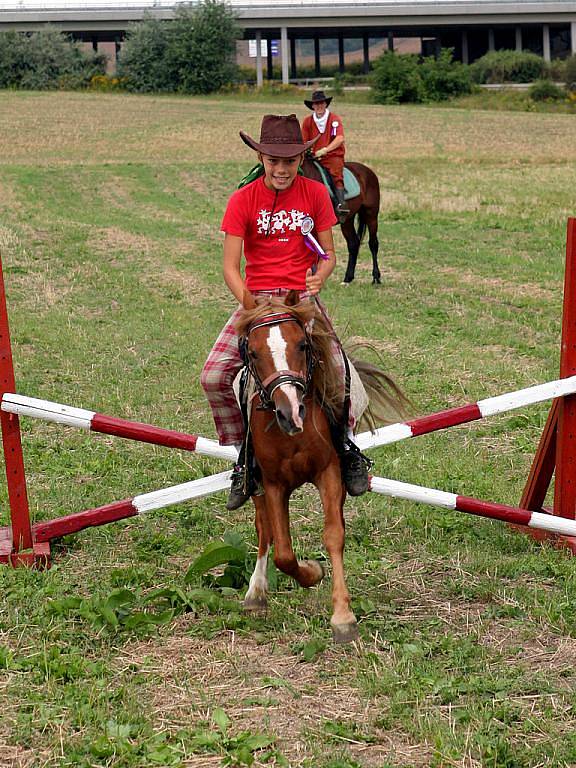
(351, 184)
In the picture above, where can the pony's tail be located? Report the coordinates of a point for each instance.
(361, 229)
(387, 403)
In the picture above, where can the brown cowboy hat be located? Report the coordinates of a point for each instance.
(317, 96)
(280, 136)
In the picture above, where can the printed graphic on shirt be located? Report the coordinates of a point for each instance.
(281, 222)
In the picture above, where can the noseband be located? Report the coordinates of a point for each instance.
(270, 384)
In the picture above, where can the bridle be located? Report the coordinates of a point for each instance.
(266, 387)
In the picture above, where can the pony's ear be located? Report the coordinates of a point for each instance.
(292, 298)
(248, 301)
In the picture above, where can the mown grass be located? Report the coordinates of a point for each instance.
(109, 215)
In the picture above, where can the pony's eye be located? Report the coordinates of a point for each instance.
(252, 354)
(303, 346)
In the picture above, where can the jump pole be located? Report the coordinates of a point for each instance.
(551, 524)
(46, 410)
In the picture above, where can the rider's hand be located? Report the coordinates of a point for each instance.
(321, 152)
(314, 283)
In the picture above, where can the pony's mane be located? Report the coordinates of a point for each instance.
(325, 377)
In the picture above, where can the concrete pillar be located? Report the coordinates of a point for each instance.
(518, 35)
(293, 68)
(316, 55)
(366, 52)
(491, 41)
(341, 62)
(259, 74)
(269, 60)
(546, 42)
(573, 37)
(465, 53)
(284, 54)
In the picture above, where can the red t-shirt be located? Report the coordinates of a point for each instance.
(269, 223)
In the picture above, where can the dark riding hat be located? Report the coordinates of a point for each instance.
(280, 136)
(317, 96)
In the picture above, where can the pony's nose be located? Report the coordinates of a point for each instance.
(287, 422)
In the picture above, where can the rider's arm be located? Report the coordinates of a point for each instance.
(325, 268)
(336, 142)
(231, 265)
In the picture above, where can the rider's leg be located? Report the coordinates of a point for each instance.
(217, 378)
(353, 463)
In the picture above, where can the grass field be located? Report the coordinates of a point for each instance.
(109, 216)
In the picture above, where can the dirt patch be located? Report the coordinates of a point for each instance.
(264, 688)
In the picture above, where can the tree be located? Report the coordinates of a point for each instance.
(194, 53)
(144, 59)
(45, 60)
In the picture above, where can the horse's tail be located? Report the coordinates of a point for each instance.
(387, 403)
(361, 228)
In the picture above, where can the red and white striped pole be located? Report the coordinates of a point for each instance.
(515, 515)
(109, 425)
(118, 510)
(394, 433)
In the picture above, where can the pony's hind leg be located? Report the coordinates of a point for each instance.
(332, 493)
(373, 244)
(306, 572)
(256, 596)
(353, 245)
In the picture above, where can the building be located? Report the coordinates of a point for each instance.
(470, 27)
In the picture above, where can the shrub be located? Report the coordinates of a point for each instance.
(444, 78)
(194, 53)
(508, 67)
(570, 73)
(396, 79)
(401, 78)
(545, 90)
(45, 60)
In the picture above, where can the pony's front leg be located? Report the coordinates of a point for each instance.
(332, 493)
(306, 572)
(257, 594)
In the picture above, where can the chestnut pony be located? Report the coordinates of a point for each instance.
(289, 355)
(366, 206)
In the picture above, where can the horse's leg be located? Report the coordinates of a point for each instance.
(372, 224)
(306, 572)
(256, 596)
(343, 621)
(353, 245)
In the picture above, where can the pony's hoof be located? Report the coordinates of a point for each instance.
(345, 633)
(346, 282)
(317, 569)
(376, 281)
(255, 605)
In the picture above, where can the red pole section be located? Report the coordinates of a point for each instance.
(61, 526)
(565, 482)
(144, 433)
(13, 458)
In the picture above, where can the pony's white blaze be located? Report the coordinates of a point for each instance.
(259, 581)
(277, 346)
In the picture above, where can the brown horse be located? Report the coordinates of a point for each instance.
(290, 358)
(366, 206)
